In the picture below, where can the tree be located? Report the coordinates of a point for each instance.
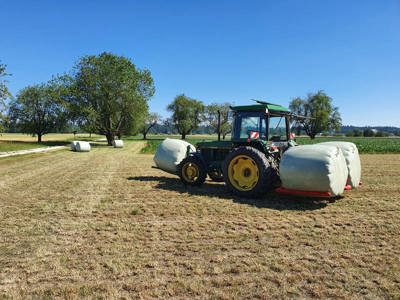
(381, 134)
(169, 126)
(211, 113)
(110, 95)
(321, 115)
(88, 122)
(297, 107)
(187, 114)
(368, 132)
(38, 110)
(150, 121)
(335, 120)
(358, 132)
(4, 94)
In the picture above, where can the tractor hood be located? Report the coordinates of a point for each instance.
(214, 145)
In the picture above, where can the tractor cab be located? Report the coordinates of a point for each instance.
(265, 124)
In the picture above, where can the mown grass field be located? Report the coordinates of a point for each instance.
(104, 224)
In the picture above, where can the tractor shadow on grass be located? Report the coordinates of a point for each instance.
(271, 200)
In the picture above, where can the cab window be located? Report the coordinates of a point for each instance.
(252, 123)
(277, 128)
(249, 124)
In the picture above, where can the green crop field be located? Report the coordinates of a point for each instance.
(364, 145)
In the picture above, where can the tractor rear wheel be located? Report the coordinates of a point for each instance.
(191, 171)
(248, 172)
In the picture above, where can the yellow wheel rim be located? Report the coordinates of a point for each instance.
(190, 172)
(243, 173)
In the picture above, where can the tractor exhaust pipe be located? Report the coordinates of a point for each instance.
(219, 125)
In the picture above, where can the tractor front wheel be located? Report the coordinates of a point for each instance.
(191, 171)
(248, 172)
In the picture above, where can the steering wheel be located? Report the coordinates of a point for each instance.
(275, 138)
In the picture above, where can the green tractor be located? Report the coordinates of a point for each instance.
(249, 162)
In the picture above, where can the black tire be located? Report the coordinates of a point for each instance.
(193, 162)
(268, 178)
(216, 176)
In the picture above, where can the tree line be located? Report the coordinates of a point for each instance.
(188, 114)
(369, 132)
(108, 95)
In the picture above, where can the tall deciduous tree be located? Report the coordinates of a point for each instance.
(322, 116)
(151, 120)
(335, 120)
(38, 110)
(4, 94)
(111, 94)
(368, 132)
(212, 117)
(358, 132)
(187, 114)
(297, 107)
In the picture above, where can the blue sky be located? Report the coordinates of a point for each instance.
(219, 51)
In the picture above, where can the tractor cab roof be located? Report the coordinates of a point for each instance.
(264, 107)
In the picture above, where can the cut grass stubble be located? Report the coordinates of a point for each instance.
(105, 224)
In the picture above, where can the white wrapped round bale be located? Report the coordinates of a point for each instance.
(352, 157)
(73, 145)
(82, 146)
(170, 153)
(319, 168)
(118, 143)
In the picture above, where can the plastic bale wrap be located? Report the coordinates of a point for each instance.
(82, 146)
(319, 168)
(170, 153)
(352, 157)
(118, 143)
(73, 145)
